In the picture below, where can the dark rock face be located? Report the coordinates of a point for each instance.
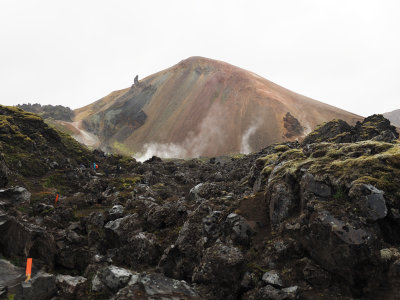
(292, 126)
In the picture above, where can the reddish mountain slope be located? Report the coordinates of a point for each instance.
(203, 107)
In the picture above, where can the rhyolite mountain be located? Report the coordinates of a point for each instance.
(313, 220)
(393, 117)
(203, 107)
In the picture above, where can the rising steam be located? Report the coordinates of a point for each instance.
(169, 150)
(209, 137)
(245, 144)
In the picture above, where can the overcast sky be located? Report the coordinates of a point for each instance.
(342, 52)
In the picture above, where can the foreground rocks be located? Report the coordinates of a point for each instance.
(293, 221)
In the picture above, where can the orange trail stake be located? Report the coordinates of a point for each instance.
(55, 202)
(28, 269)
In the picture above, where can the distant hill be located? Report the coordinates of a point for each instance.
(394, 117)
(57, 112)
(203, 107)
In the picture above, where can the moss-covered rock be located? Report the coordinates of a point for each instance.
(30, 147)
(338, 131)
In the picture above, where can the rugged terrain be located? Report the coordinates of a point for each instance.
(202, 107)
(316, 220)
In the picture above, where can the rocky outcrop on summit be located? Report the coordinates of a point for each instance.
(292, 221)
(57, 112)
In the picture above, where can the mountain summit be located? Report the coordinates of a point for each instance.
(202, 107)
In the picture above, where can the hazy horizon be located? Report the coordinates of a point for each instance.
(343, 53)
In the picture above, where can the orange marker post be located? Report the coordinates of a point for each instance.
(55, 201)
(28, 269)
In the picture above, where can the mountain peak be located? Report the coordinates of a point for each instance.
(203, 107)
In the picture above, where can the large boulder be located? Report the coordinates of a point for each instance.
(161, 286)
(204, 191)
(221, 269)
(239, 229)
(337, 131)
(16, 195)
(117, 231)
(139, 250)
(157, 286)
(116, 212)
(370, 199)
(20, 238)
(70, 287)
(166, 215)
(111, 278)
(10, 275)
(41, 287)
(346, 248)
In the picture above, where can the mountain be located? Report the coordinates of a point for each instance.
(313, 220)
(394, 117)
(202, 107)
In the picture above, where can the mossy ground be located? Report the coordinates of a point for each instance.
(377, 163)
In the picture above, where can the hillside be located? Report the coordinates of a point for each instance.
(394, 117)
(203, 107)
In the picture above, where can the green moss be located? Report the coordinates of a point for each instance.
(372, 162)
(267, 170)
(58, 181)
(292, 154)
(256, 268)
(269, 159)
(121, 149)
(281, 148)
(126, 183)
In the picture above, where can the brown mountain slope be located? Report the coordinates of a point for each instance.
(203, 107)
(394, 117)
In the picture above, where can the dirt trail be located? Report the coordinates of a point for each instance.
(80, 134)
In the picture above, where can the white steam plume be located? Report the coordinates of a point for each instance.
(208, 139)
(169, 150)
(245, 144)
